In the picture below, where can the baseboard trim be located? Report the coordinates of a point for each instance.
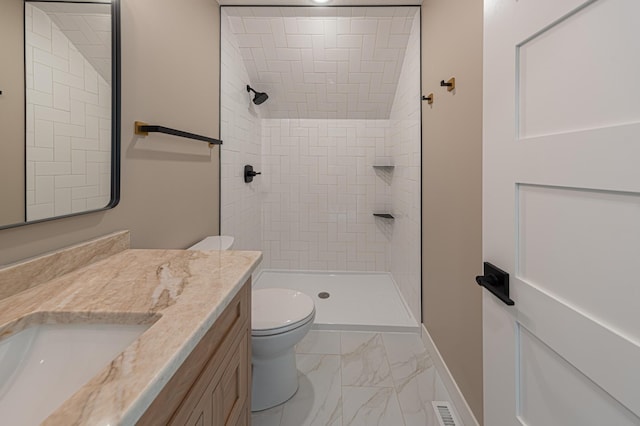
(462, 408)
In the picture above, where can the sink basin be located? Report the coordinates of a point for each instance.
(43, 365)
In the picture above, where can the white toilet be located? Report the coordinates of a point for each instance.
(280, 318)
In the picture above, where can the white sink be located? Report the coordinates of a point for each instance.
(42, 366)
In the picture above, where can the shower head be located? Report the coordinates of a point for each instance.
(259, 96)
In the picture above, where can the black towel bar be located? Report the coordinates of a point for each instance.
(144, 129)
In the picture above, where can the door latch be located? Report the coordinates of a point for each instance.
(496, 281)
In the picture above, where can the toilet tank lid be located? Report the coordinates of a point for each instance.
(216, 242)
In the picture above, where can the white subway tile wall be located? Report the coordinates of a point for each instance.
(240, 132)
(321, 192)
(68, 126)
(404, 250)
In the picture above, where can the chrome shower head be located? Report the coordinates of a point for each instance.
(259, 96)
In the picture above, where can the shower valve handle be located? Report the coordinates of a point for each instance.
(249, 174)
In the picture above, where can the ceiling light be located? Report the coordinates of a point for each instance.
(320, 1)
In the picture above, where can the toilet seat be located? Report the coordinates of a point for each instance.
(278, 310)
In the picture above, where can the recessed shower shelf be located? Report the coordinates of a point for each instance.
(383, 162)
(384, 215)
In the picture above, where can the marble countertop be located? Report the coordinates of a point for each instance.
(181, 293)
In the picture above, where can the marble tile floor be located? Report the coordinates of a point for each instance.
(360, 378)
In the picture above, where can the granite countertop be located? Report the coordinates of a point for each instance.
(181, 293)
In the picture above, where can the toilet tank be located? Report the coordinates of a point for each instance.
(216, 242)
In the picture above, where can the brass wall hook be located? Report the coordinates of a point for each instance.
(450, 84)
(429, 98)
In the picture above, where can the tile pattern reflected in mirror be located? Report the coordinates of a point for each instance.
(68, 133)
(65, 150)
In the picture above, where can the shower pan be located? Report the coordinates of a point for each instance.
(347, 300)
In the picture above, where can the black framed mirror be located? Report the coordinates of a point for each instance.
(59, 109)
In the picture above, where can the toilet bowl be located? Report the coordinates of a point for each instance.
(280, 318)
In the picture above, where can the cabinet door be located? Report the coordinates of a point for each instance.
(232, 390)
(202, 414)
(223, 401)
(208, 411)
(243, 420)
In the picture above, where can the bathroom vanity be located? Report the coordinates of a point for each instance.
(190, 364)
(212, 386)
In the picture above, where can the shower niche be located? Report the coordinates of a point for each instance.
(383, 168)
(337, 140)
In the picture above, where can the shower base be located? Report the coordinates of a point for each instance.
(362, 301)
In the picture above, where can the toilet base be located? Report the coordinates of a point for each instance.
(275, 380)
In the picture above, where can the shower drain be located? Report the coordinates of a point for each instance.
(323, 295)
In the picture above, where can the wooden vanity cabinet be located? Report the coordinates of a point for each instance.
(213, 385)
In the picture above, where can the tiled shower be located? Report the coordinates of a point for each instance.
(337, 141)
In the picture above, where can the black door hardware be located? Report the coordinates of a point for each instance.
(249, 173)
(496, 281)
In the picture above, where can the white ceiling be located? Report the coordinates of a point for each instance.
(329, 62)
(329, 3)
(88, 27)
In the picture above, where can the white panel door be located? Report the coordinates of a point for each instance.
(562, 212)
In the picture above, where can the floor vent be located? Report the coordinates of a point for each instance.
(444, 413)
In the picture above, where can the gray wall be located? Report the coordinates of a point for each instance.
(170, 76)
(452, 189)
(11, 113)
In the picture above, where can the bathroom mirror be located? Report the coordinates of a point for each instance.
(59, 109)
